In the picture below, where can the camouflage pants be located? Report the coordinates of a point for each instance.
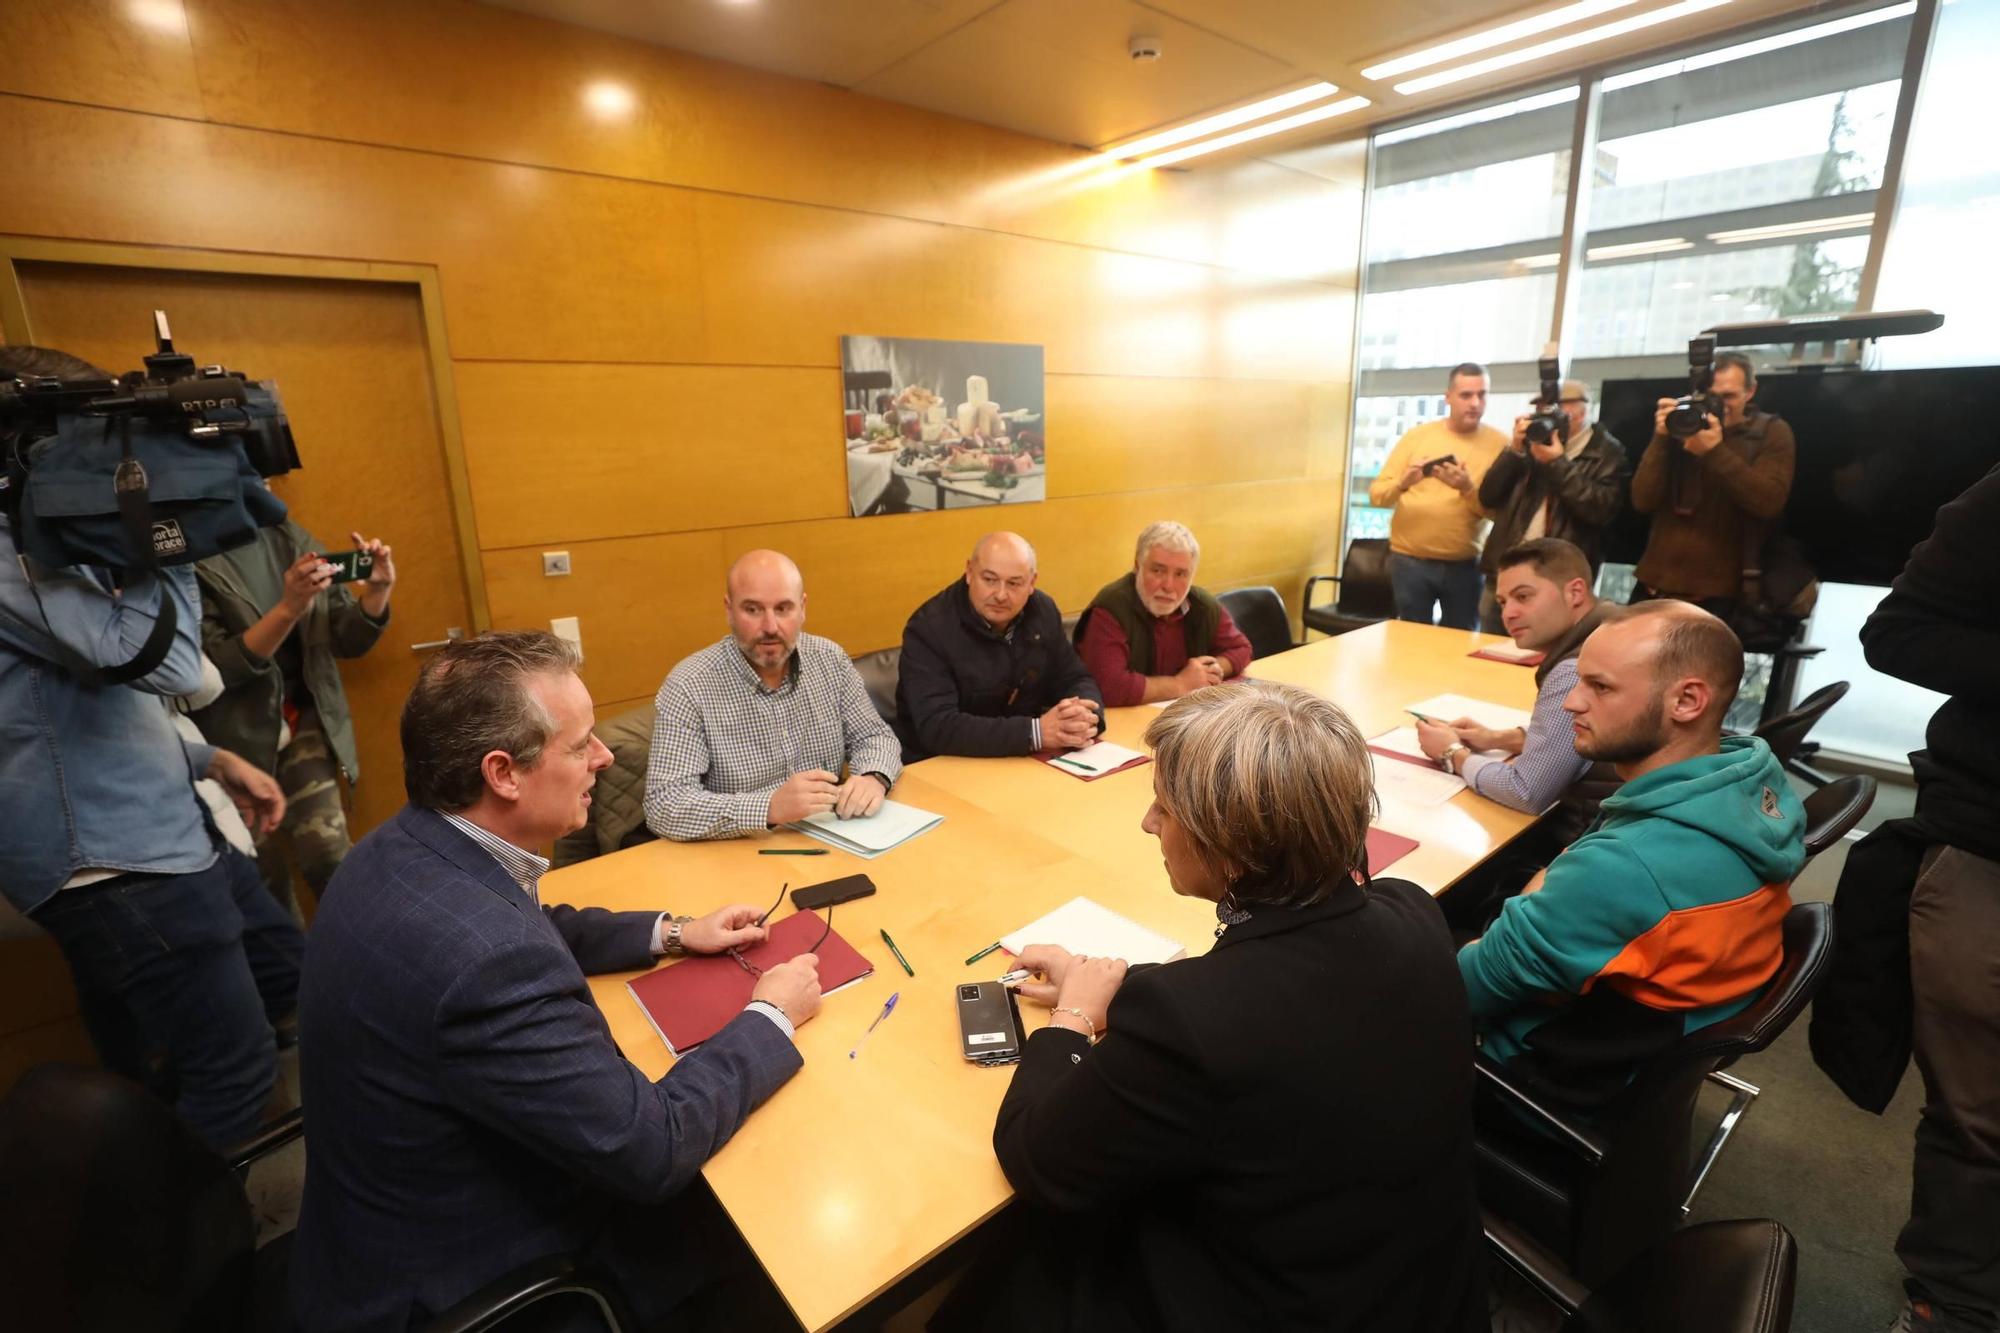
(313, 836)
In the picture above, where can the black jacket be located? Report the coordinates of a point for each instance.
(1939, 627)
(1276, 1134)
(1587, 490)
(962, 689)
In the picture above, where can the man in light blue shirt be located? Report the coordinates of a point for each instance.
(174, 946)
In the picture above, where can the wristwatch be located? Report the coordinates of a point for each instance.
(1450, 752)
(674, 947)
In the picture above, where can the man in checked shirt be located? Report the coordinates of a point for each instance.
(754, 732)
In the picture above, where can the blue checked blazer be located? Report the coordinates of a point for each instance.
(467, 1109)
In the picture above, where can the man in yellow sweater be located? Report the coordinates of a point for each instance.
(1431, 480)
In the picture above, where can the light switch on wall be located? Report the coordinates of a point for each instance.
(566, 627)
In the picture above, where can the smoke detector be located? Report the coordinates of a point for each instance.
(1145, 49)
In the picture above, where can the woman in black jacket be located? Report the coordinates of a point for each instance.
(1274, 1134)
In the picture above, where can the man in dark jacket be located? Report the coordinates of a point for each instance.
(1568, 489)
(1939, 627)
(471, 1111)
(986, 668)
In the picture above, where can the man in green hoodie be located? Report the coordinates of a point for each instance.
(1665, 916)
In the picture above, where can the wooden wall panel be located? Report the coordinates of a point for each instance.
(96, 51)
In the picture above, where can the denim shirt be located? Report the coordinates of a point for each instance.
(94, 777)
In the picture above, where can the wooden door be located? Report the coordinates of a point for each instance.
(351, 363)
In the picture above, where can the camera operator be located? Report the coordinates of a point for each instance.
(174, 945)
(1431, 480)
(273, 621)
(1567, 488)
(1712, 494)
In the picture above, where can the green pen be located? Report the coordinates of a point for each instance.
(1071, 763)
(982, 953)
(898, 952)
(791, 851)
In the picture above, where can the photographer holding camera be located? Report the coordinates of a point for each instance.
(1431, 480)
(1715, 476)
(1558, 477)
(174, 946)
(274, 617)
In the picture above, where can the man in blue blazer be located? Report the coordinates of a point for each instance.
(469, 1110)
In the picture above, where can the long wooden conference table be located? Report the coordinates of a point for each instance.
(859, 1170)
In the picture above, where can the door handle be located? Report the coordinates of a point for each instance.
(451, 636)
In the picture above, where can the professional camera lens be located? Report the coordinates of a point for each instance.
(1547, 427)
(968, 992)
(1689, 417)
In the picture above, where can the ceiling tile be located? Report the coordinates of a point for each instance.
(1061, 69)
(831, 41)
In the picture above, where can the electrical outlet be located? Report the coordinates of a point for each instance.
(555, 564)
(566, 627)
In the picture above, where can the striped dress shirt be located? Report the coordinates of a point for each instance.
(1548, 764)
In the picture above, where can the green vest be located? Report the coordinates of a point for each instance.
(1121, 598)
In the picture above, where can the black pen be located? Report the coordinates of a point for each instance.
(791, 851)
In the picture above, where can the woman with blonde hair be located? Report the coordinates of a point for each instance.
(1274, 1134)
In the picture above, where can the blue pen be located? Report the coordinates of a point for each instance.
(872, 1026)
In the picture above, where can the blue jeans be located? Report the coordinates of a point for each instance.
(1420, 584)
(196, 966)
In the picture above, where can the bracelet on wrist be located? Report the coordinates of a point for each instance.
(1074, 1012)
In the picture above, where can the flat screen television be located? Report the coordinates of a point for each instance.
(1878, 453)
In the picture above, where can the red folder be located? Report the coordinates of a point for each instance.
(1386, 848)
(689, 1001)
(1531, 660)
(1049, 757)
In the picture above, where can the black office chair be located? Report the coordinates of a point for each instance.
(880, 671)
(114, 1216)
(1363, 598)
(1836, 808)
(1260, 613)
(1598, 1192)
(1716, 1277)
(1786, 733)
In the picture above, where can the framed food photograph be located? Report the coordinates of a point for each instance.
(929, 423)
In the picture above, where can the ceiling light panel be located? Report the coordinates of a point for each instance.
(1628, 250)
(1242, 115)
(1557, 45)
(1492, 37)
(1780, 230)
(1310, 117)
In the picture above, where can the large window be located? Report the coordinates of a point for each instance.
(1734, 180)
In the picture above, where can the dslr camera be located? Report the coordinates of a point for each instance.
(1548, 423)
(1692, 412)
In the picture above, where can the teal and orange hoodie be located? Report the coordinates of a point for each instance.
(1662, 918)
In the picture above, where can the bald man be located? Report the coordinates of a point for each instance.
(987, 669)
(1666, 915)
(768, 726)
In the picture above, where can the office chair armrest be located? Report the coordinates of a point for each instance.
(506, 1296)
(1307, 600)
(1580, 1139)
(1539, 1268)
(285, 1129)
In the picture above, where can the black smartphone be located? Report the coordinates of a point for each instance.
(1437, 463)
(350, 566)
(989, 1023)
(813, 897)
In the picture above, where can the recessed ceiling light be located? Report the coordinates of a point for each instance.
(608, 100)
(1762, 46)
(1780, 230)
(164, 16)
(1538, 261)
(1630, 248)
(1557, 45)
(1309, 117)
(1492, 37)
(1242, 115)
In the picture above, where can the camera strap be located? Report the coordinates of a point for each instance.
(135, 512)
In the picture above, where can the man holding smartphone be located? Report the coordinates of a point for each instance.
(276, 614)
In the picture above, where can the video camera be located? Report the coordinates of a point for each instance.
(1549, 424)
(1692, 412)
(159, 467)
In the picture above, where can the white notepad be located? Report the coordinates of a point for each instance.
(1407, 784)
(871, 835)
(1451, 707)
(1084, 927)
(1509, 652)
(1099, 758)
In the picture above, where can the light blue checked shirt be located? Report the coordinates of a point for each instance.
(723, 741)
(1548, 764)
